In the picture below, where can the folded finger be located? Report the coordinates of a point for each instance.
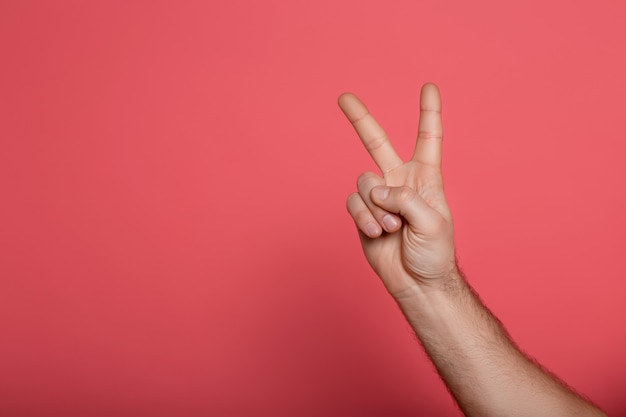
(362, 216)
(366, 182)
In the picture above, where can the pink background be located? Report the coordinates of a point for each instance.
(173, 175)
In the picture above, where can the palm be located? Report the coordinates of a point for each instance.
(414, 252)
(401, 257)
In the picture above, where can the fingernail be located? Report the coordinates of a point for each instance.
(372, 229)
(381, 193)
(390, 222)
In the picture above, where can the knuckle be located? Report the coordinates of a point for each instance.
(352, 202)
(366, 180)
(429, 134)
(376, 143)
(363, 217)
(406, 195)
(358, 210)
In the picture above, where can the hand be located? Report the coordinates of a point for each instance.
(403, 218)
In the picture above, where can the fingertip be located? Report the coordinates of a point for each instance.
(380, 193)
(391, 222)
(345, 98)
(430, 86)
(352, 107)
(372, 229)
(430, 97)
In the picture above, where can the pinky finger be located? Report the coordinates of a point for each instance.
(362, 216)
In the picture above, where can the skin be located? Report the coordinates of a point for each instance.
(407, 235)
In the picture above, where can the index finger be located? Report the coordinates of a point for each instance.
(372, 135)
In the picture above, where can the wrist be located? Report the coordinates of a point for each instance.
(435, 299)
(447, 283)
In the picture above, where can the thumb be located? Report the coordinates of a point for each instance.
(404, 201)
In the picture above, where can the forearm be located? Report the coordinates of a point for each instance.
(481, 366)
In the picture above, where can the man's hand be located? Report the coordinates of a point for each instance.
(407, 236)
(403, 219)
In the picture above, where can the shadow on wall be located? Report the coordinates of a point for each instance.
(327, 340)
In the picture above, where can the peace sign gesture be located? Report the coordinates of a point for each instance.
(403, 218)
